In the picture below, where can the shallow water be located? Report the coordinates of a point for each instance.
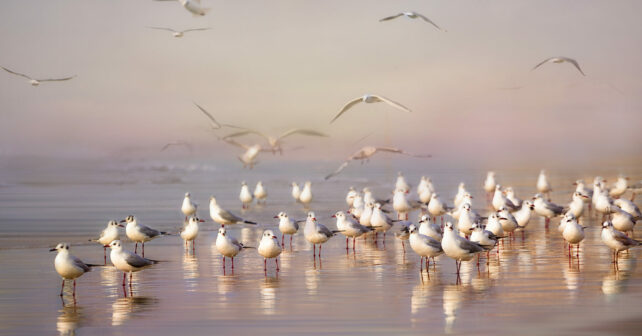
(530, 287)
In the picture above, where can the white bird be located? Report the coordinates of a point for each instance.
(560, 59)
(245, 196)
(380, 221)
(139, 233)
(179, 33)
(427, 228)
(190, 231)
(223, 216)
(576, 206)
(603, 202)
(523, 215)
(227, 246)
(358, 206)
(403, 233)
(126, 261)
(546, 209)
(583, 189)
(68, 266)
(490, 182)
(260, 193)
(349, 227)
(635, 189)
(495, 226)
(296, 191)
(459, 197)
(629, 207)
(366, 214)
(483, 237)
(36, 82)
(193, 6)
(400, 204)
(188, 208)
(287, 226)
(365, 153)
(507, 220)
(616, 240)
(412, 15)
(543, 186)
(275, 143)
(457, 247)
(620, 187)
(316, 233)
(500, 200)
(369, 98)
(269, 248)
(436, 207)
(573, 233)
(467, 218)
(401, 183)
(622, 220)
(214, 124)
(108, 235)
(248, 158)
(510, 195)
(350, 196)
(423, 245)
(306, 194)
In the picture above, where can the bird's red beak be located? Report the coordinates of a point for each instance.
(314, 218)
(105, 245)
(334, 216)
(276, 216)
(202, 221)
(121, 225)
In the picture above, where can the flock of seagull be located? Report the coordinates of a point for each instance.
(466, 234)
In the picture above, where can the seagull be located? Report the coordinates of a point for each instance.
(457, 247)
(260, 193)
(490, 182)
(401, 183)
(269, 248)
(214, 124)
(248, 158)
(573, 233)
(543, 186)
(365, 153)
(316, 233)
(140, 233)
(36, 82)
(306, 194)
(483, 237)
(68, 266)
(108, 235)
(296, 191)
(430, 229)
(403, 233)
(350, 196)
(616, 240)
(349, 227)
(190, 231)
(459, 197)
(369, 98)
(500, 200)
(400, 204)
(176, 143)
(193, 6)
(179, 33)
(228, 246)
(275, 142)
(223, 216)
(508, 221)
(380, 221)
(495, 226)
(245, 196)
(510, 195)
(622, 220)
(437, 208)
(576, 206)
(560, 59)
(287, 226)
(126, 261)
(412, 15)
(424, 246)
(523, 215)
(620, 187)
(629, 207)
(546, 209)
(188, 208)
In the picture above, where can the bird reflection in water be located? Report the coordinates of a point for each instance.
(311, 281)
(109, 280)
(453, 296)
(190, 271)
(69, 318)
(614, 282)
(268, 291)
(126, 308)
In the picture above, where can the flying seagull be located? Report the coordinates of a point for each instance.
(213, 123)
(193, 6)
(275, 142)
(369, 98)
(412, 15)
(179, 33)
(561, 59)
(36, 82)
(366, 153)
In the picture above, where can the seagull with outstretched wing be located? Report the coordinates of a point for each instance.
(36, 82)
(560, 59)
(367, 152)
(412, 15)
(275, 142)
(179, 33)
(369, 98)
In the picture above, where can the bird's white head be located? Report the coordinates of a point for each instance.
(222, 231)
(268, 234)
(412, 228)
(115, 245)
(61, 247)
(187, 195)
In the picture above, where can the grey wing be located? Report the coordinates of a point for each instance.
(78, 263)
(431, 241)
(470, 246)
(555, 208)
(574, 62)
(301, 131)
(16, 73)
(392, 103)
(215, 124)
(234, 143)
(149, 232)
(336, 172)
(228, 216)
(346, 107)
(137, 261)
(324, 230)
(240, 133)
(544, 61)
(236, 242)
(196, 29)
(163, 28)
(56, 79)
(391, 17)
(429, 21)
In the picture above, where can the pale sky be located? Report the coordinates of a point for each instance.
(273, 65)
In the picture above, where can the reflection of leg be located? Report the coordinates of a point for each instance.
(232, 264)
(143, 249)
(421, 265)
(63, 286)
(276, 260)
(136, 248)
(265, 264)
(105, 254)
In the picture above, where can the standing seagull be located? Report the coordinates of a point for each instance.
(260, 193)
(457, 247)
(108, 235)
(245, 196)
(269, 248)
(316, 233)
(369, 98)
(126, 261)
(561, 59)
(190, 231)
(192, 6)
(296, 191)
(68, 266)
(543, 186)
(306, 194)
(188, 208)
(179, 33)
(223, 216)
(228, 246)
(36, 82)
(140, 233)
(616, 240)
(365, 153)
(287, 226)
(424, 246)
(412, 15)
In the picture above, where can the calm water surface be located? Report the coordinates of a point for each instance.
(531, 287)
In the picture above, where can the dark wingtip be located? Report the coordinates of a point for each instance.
(249, 222)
